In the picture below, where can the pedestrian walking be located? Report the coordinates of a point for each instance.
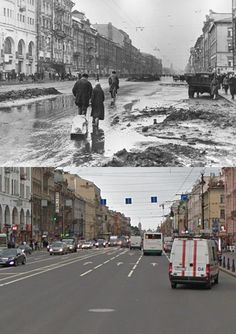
(214, 87)
(226, 84)
(232, 85)
(82, 91)
(113, 81)
(97, 104)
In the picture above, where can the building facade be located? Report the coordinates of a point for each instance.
(17, 38)
(213, 50)
(15, 204)
(230, 203)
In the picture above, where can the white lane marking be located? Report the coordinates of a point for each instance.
(98, 266)
(154, 264)
(87, 272)
(86, 263)
(135, 266)
(101, 310)
(119, 263)
(44, 270)
(106, 261)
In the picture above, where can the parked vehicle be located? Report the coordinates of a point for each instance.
(58, 247)
(193, 260)
(135, 242)
(12, 257)
(71, 244)
(152, 243)
(113, 241)
(26, 249)
(199, 83)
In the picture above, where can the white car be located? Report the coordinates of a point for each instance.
(87, 245)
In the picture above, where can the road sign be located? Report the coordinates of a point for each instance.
(128, 201)
(103, 201)
(154, 199)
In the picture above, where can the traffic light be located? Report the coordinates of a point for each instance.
(55, 218)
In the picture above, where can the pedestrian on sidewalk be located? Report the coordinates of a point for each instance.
(226, 84)
(232, 85)
(97, 104)
(214, 87)
(82, 91)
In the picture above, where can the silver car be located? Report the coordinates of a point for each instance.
(58, 247)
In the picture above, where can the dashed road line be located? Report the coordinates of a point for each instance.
(134, 267)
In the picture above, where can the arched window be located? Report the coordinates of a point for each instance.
(30, 50)
(7, 46)
(20, 48)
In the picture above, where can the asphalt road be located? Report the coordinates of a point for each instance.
(109, 291)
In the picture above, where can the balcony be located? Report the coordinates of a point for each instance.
(60, 33)
(59, 7)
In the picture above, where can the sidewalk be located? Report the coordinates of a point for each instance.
(228, 97)
(231, 256)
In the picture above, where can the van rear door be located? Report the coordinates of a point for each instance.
(196, 258)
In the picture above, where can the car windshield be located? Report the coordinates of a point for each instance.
(9, 252)
(57, 244)
(68, 241)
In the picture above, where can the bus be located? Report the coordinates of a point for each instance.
(152, 243)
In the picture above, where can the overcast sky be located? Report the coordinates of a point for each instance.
(140, 184)
(172, 26)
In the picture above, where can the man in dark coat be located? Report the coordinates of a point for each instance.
(97, 104)
(82, 91)
(232, 85)
(113, 81)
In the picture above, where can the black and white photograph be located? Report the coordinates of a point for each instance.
(117, 83)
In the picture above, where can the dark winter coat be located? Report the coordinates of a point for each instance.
(214, 86)
(232, 85)
(113, 81)
(82, 91)
(97, 100)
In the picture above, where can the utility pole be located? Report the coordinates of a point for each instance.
(202, 199)
(234, 33)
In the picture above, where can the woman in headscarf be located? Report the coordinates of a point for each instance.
(97, 104)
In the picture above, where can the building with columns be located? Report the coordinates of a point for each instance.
(17, 37)
(15, 204)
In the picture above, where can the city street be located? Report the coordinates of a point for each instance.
(152, 124)
(115, 290)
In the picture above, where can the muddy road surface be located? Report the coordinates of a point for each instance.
(151, 124)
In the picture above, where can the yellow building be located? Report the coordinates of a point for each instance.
(92, 196)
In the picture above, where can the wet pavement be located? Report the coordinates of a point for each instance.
(151, 124)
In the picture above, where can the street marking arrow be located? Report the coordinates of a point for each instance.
(119, 263)
(86, 263)
(154, 264)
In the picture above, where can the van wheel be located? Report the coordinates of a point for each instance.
(173, 285)
(216, 281)
(208, 285)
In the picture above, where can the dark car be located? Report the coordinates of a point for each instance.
(12, 257)
(199, 83)
(26, 249)
(99, 243)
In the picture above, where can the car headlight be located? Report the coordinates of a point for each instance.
(11, 262)
(50, 249)
(60, 249)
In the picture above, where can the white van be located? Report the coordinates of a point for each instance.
(135, 242)
(193, 260)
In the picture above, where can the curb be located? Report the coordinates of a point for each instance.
(227, 99)
(228, 272)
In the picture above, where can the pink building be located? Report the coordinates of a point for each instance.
(230, 203)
